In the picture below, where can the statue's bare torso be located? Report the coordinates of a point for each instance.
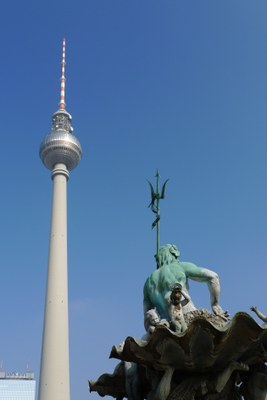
(172, 271)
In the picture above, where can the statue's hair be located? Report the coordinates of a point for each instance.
(167, 254)
(148, 314)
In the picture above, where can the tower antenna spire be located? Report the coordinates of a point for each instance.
(62, 103)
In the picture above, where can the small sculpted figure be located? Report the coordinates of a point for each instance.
(176, 300)
(172, 271)
(152, 319)
(260, 315)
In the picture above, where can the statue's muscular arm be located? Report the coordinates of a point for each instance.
(211, 278)
(259, 313)
(147, 304)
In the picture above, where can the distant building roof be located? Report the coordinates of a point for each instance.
(16, 375)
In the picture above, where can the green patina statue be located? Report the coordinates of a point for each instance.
(171, 271)
(187, 353)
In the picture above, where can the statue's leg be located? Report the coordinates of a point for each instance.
(224, 376)
(164, 387)
(132, 381)
(154, 377)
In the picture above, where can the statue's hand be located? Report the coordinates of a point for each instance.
(164, 322)
(253, 308)
(219, 311)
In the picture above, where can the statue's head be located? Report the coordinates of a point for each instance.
(151, 318)
(176, 293)
(167, 255)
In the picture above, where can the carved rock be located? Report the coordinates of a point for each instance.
(198, 355)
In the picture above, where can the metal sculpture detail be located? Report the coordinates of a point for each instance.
(156, 196)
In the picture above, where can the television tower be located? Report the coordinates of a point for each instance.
(60, 152)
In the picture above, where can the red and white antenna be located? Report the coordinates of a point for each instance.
(62, 103)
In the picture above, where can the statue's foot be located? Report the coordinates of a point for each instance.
(239, 366)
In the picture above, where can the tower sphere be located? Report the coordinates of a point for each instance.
(60, 146)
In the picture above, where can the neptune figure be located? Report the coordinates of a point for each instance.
(170, 272)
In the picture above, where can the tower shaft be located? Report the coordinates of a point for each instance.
(54, 374)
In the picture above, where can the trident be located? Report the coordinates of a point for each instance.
(155, 207)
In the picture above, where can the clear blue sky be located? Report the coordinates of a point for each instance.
(175, 85)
